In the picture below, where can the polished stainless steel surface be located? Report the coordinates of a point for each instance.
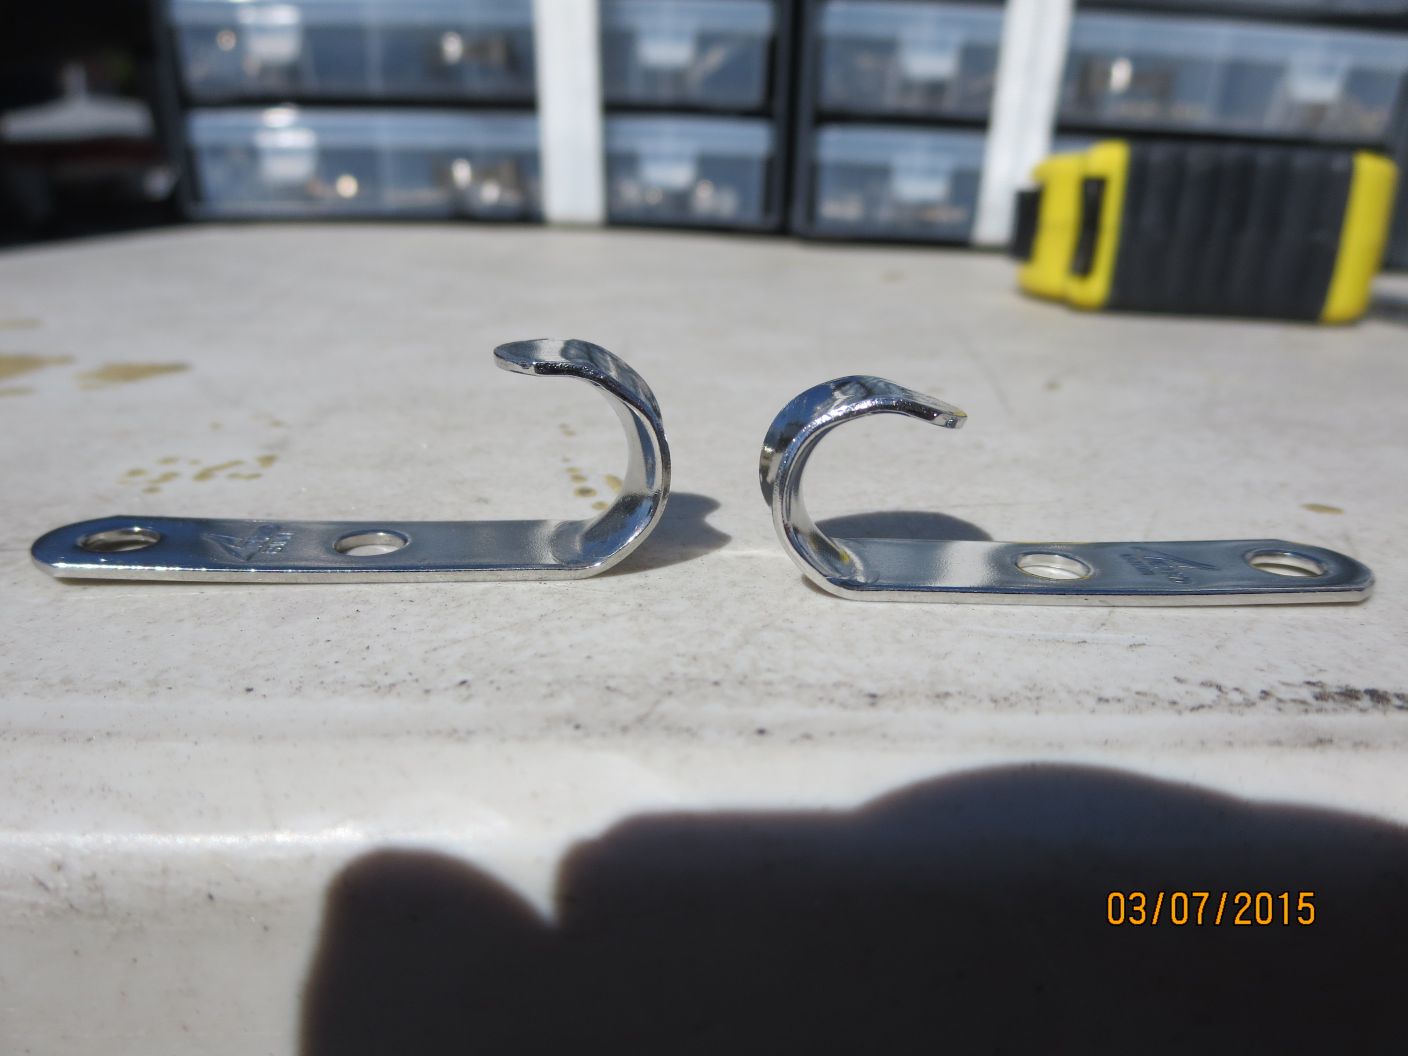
(1222, 572)
(124, 547)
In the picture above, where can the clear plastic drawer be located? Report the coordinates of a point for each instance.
(688, 170)
(1185, 74)
(705, 53)
(1346, 9)
(300, 162)
(878, 182)
(321, 49)
(930, 59)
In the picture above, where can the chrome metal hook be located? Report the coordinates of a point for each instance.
(1223, 572)
(347, 551)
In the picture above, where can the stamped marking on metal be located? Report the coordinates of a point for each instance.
(1149, 562)
(267, 540)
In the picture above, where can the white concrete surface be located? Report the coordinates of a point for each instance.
(186, 767)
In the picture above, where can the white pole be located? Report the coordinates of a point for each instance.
(1034, 34)
(568, 48)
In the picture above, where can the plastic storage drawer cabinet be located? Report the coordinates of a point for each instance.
(288, 162)
(897, 183)
(1347, 9)
(711, 54)
(1183, 74)
(706, 171)
(326, 49)
(920, 59)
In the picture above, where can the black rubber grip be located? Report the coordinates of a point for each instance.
(1229, 228)
(1092, 200)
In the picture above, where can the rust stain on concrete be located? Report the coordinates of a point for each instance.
(14, 364)
(209, 472)
(110, 374)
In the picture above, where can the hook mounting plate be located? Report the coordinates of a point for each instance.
(183, 548)
(1221, 572)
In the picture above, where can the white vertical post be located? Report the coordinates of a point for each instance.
(567, 42)
(1029, 68)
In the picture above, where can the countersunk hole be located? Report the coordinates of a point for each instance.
(1053, 566)
(370, 544)
(1286, 563)
(119, 540)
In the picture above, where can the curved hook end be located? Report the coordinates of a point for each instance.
(539, 355)
(646, 481)
(577, 358)
(823, 407)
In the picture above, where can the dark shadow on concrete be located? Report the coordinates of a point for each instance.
(901, 524)
(1389, 308)
(896, 524)
(966, 914)
(683, 534)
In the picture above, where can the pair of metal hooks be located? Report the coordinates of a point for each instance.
(1226, 572)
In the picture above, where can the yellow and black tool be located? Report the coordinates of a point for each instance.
(1285, 232)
